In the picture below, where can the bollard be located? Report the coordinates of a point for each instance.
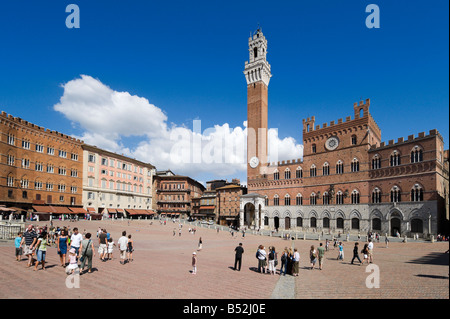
(318, 238)
(304, 236)
(432, 238)
(406, 239)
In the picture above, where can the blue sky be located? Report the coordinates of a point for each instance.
(187, 59)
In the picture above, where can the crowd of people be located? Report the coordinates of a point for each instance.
(75, 250)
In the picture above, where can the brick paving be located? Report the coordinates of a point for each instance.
(162, 265)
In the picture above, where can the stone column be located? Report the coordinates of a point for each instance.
(241, 217)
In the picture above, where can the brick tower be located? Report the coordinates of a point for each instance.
(257, 73)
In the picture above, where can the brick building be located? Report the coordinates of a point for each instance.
(348, 180)
(174, 194)
(40, 170)
(228, 203)
(115, 185)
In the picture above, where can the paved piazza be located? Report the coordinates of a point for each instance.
(162, 265)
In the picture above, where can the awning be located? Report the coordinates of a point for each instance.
(4, 209)
(119, 210)
(91, 210)
(207, 207)
(78, 210)
(43, 209)
(137, 211)
(112, 211)
(61, 210)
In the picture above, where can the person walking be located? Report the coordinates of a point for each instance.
(75, 240)
(296, 262)
(200, 243)
(87, 252)
(313, 257)
(341, 251)
(370, 250)
(356, 253)
(194, 263)
(62, 244)
(320, 254)
(261, 255)
(386, 240)
(123, 243)
(19, 250)
(73, 264)
(239, 251)
(41, 250)
(28, 241)
(365, 252)
(130, 249)
(102, 245)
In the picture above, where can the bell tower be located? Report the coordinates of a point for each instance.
(257, 73)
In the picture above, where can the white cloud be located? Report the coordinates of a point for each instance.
(106, 116)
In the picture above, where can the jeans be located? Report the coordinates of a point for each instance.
(356, 256)
(283, 268)
(236, 261)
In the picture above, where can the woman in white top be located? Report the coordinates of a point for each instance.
(296, 261)
(262, 259)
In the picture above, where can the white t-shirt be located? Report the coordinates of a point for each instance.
(296, 256)
(370, 246)
(262, 254)
(75, 240)
(123, 242)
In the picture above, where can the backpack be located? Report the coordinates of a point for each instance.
(283, 258)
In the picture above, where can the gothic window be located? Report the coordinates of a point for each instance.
(314, 148)
(353, 139)
(396, 195)
(255, 52)
(340, 167)
(355, 197)
(299, 173)
(355, 223)
(313, 171)
(376, 224)
(276, 200)
(287, 174)
(287, 200)
(276, 175)
(417, 193)
(376, 196)
(326, 198)
(326, 222)
(340, 223)
(355, 165)
(326, 169)
(313, 222)
(299, 222)
(376, 162)
(266, 201)
(299, 200)
(395, 158)
(312, 199)
(416, 155)
(339, 198)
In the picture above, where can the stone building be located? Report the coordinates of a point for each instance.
(348, 179)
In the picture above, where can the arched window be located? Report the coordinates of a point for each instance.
(417, 193)
(354, 140)
(266, 201)
(326, 169)
(276, 175)
(416, 225)
(326, 198)
(355, 197)
(376, 224)
(299, 222)
(340, 167)
(266, 221)
(255, 52)
(416, 155)
(313, 171)
(312, 199)
(287, 200)
(355, 165)
(299, 173)
(287, 174)
(276, 200)
(376, 196)
(396, 195)
(376, 162)
(299, 200)
(339, 198)
(395, 158)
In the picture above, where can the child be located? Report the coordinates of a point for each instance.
(73, 265)
(17, 242)
(194, 263)
(111, 245)
(130, 249)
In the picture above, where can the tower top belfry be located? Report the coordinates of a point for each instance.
(257, 68)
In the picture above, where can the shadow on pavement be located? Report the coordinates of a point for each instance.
(433, 258)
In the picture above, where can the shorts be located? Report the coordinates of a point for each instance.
(110, 251)
(102, 249)
(41, 255)
(19, 252)
(123, 254)
(365, 256)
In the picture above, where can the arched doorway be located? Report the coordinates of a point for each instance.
(249, 215)
(313, 222)
(340, 223)
(376, 224)
(287, 223)
(396, 223)
(276, 221)
(326, 222)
